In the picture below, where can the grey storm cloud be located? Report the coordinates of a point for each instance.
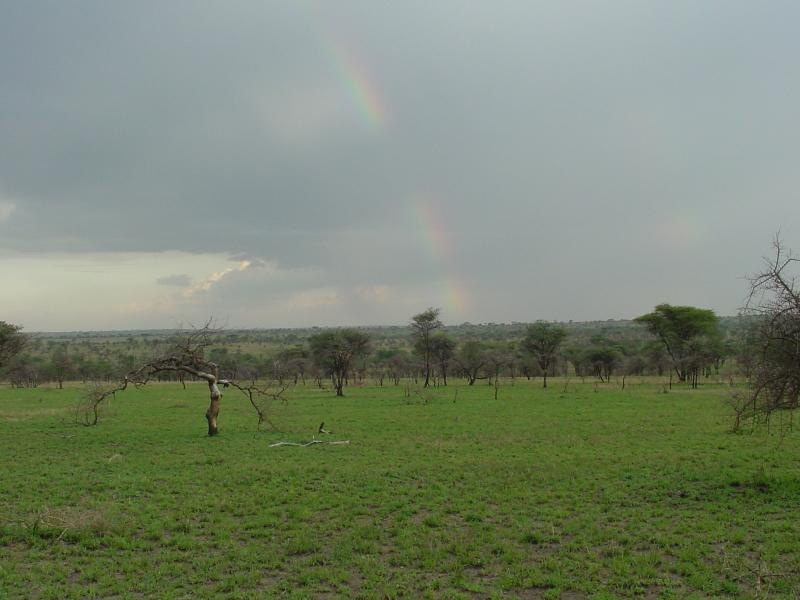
(581, 160)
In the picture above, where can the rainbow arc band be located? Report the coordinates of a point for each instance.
(436, 240)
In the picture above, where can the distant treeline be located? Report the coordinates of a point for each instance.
(597, 349)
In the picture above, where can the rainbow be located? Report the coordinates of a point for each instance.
(355, 78)
(351, 71)
(435, 238)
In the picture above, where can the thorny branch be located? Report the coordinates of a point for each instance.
(774, 299)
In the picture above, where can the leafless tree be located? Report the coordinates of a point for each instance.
(775, 378)
(185, 355)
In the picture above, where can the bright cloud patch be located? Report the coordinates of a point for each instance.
(206, 284)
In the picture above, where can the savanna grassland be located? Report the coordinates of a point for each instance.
(591, 492)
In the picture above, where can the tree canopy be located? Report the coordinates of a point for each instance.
(442, 349)
(689, 335)
(542, 341)
(12, 341)
(335, 350)
(423, 326)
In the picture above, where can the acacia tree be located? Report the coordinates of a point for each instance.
(497, 357)
(656, 357)
(687, 334)
(472, 359)
(12, 341)
(603, 359)
(292, 362)
(423, 326)
(542, 341)
(774, 300)
(186, 355)
(61, 365)
(443, 348)
(335, 350)
(398, 366)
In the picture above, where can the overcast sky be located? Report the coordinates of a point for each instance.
(279, 164)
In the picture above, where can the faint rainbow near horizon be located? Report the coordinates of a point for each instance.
(436, 240)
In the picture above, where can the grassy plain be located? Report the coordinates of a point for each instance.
(597, 493)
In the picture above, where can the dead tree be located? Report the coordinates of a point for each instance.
(774, 301)
(186, 356)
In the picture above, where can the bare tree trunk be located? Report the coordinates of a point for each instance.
(213, 409)
(338, 384)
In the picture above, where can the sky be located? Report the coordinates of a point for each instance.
(289, 164)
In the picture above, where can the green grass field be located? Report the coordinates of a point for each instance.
(539, 493)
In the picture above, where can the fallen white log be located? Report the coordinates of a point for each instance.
(311, 443)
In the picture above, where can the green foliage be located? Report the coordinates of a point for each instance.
(599, 495)
(334, 351)
(472, 358)
(12, 341)
(442, 346)
(602, 360)
(679, 323)
(426, 322)
(442, 351)
(690, 335)
(423, 327)
(542, 341)
(285, 354)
